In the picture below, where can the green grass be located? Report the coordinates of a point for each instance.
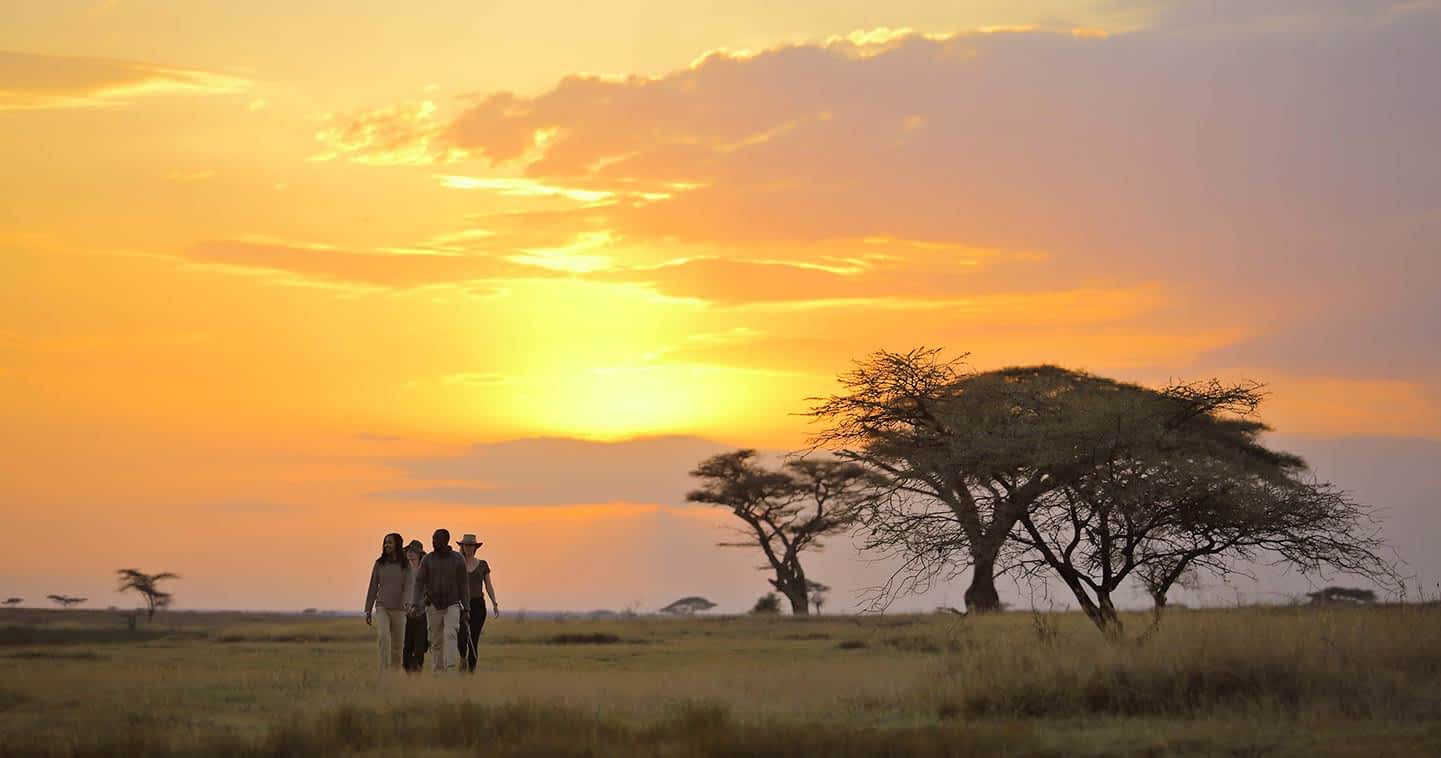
(1290, 681)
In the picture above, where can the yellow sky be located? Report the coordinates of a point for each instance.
(252, 255)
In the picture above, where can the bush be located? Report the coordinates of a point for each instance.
(768, 604)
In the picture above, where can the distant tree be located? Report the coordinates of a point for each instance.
(787, 511)
(65, 601)
(768, 604)
(687, 606)
(146, 585)
(309, 612)
(14, 600)
(818, 594)
(1163, 572)
(1342, 595)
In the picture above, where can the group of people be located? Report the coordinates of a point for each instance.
(419, 601)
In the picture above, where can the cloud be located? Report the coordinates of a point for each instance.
(1265, 160)
(557, 471)
(401, 134)
(1266, 167)
(32, 81)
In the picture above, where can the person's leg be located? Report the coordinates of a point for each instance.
(396, 617)
(407, 650)
(477, 622)
(450, 622)
(435, 626)
(381, 619)
(415, 642)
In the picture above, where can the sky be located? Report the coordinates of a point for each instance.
(277, 278)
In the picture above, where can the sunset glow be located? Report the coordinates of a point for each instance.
(282, 277)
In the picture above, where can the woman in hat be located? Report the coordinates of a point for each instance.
(417, 636)
(385, 597)
(479, 572)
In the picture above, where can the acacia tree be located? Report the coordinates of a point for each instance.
(687, 606)
(965, 455)
(65, 601)
(12, 601)
(1179, 485)
(786, 512)
(147, 586)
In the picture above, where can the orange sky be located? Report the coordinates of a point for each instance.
(267, 271)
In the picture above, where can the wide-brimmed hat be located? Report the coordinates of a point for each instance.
(468, 540)
(415, 547)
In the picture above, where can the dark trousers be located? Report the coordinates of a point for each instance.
(417, 639)
(469, 637)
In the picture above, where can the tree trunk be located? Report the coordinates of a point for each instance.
(1106, 617)
(800, 604)
(1159, 598)
(981, 596)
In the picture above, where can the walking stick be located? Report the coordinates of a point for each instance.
(464, 640)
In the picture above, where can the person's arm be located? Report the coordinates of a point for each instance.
(371, 590)
(462, 582)
(422, 582)
(407, 595)
(490, 590)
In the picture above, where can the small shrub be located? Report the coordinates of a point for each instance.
(768, 604)
(593, 638)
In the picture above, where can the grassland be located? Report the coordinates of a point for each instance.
(1282, 681)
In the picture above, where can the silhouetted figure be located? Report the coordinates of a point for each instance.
(478, 572)
(445, 590)
(385, 597)
(416, 636)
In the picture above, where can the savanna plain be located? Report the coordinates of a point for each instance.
(1241, 681)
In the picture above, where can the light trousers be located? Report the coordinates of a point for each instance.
(389, 636)
(444, 628)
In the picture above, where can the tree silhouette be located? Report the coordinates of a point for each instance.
(65, 601)
(786, 511)
(1342, 595)
(687, 606)
(14, 600)
(968, 455)
(145, 584)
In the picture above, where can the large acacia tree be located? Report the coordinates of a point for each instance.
(968, 456)
(786, 511)
(964, 455)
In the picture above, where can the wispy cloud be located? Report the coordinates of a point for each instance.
(31, 81)
(403, 134)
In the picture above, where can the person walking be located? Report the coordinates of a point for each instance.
(416, 636)
(445, 594)
(385, 600)
(478, 575)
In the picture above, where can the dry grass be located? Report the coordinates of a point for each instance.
(1252, 681)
